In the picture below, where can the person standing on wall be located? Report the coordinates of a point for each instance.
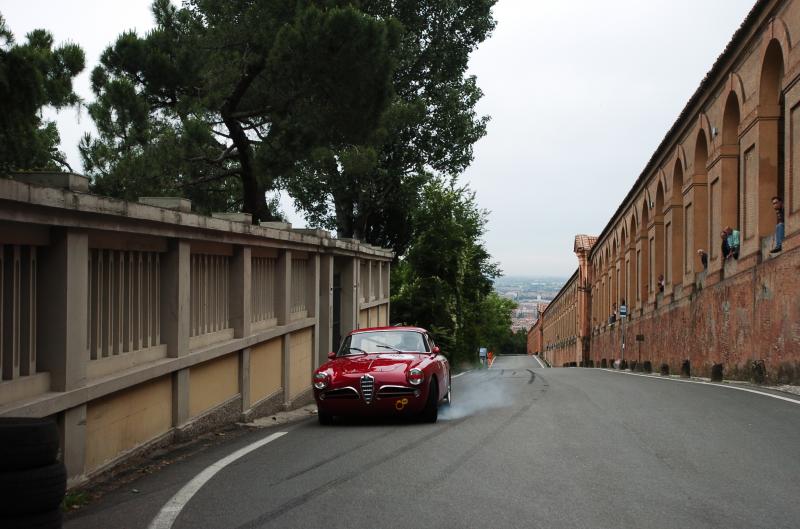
(777, 204)
(733, 239)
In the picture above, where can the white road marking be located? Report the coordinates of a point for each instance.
(779, 397)
(540, 362)
(458, 375)
(170, 511)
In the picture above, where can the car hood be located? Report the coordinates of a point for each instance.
(373, 363)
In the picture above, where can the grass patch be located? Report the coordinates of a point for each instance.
(74, 500)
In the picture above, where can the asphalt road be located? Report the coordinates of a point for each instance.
(522, 446)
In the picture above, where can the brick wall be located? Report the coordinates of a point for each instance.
(752, 316)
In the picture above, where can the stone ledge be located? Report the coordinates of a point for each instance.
(178, 204)
(58, 179)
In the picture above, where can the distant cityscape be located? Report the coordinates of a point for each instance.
(532, 295)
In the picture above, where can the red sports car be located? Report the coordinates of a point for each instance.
(386, 371)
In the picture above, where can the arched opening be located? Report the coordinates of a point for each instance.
(632, 265)
(607, 289)
(657, 260)
(676, 236)
(771, 138)
(623, 266)
(696, 213)
(725, 192)
(643, 256)
(614, 278)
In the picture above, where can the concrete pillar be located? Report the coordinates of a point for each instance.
(325, 319)
(349, 315)
(283, 299)
(286, 378)
(244, 378)
(313, 301)
(386, 291)
(175, 298)
(283, 287)
(180, 397)
(381, 287)
(62, 343)
(240, 300)
(63, 305)
(72, 429)
(176, 320)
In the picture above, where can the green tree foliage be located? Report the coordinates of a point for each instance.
(445, 281)
(370, 190)
(34, 75)
(222, 97)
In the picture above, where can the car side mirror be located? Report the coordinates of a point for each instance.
(331, 355)
(436, 350)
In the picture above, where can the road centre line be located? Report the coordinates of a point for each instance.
(170, 511)
(779, 397)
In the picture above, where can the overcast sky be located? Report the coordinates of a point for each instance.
(580, 94)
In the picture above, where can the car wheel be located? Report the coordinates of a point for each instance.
(325, 419)
(448, 399)
(431, 411)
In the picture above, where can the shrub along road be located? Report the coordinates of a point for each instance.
(522, 446)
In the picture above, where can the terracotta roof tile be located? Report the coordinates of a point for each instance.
(584, 242)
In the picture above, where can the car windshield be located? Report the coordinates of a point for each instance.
(383, 342)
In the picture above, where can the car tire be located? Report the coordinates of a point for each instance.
(448, 399)
(27, 443)
(431, 412)
(31, 491)
(325, 419)
(44, 520)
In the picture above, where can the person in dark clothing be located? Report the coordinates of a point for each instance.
(703, 258)
(777, 204)
(733, 241)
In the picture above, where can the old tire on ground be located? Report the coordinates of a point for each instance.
(27, 443)
(43, 520)
(31, 491)
(431, 411)
(325, 419)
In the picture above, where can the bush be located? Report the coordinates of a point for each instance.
(664, 370)
(716, 373)
(623, 365)
(648, 367)
(686, 369)
(604, 363)
(759, 371)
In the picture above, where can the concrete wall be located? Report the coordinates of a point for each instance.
(266, 369)
(212, 383)
(160, 322)
(124, 420)
(301, 362)
(752, 316)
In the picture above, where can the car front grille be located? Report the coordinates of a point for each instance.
(367, 388)
(341, 393)
(395, 391)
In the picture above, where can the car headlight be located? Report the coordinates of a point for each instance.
(320, 380)
(415, 376)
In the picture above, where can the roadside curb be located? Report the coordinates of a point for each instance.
(735, 385)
